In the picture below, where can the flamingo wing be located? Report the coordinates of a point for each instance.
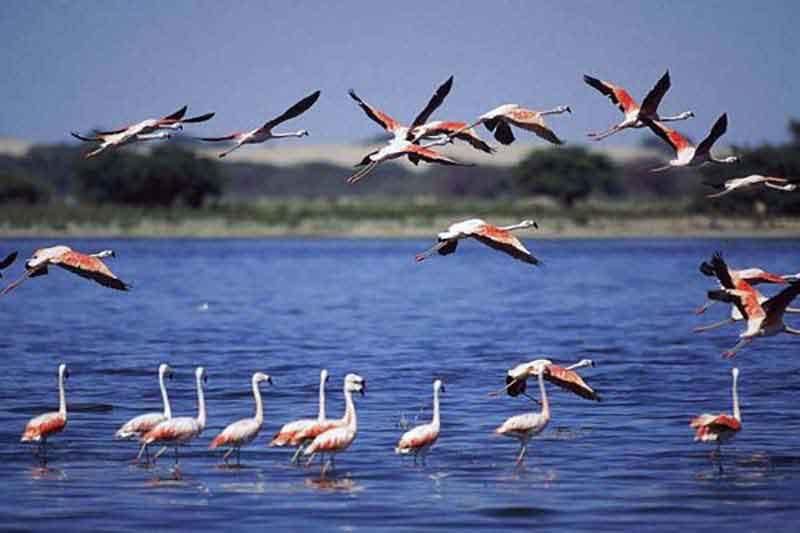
(385, 121)
(677, 141)
(88, 139)
(618, 95)
(230, 137)
(286, 434)
(43, 425)
(781, 301)
(198, 118)
(532, 121)
(6, 262)
(106, 132)
(504, 241)
(717, 131)
(431, 156)
(571, 381)
(417, 437)
(503, 133)
(457, 130)
(436, 100)
(653, 99)
(90, 267)
(177, 115)
(297, 109)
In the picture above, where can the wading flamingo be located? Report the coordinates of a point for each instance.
(138, 426)
(748, 182)
(6, 262)
(180, 430)
(307, 428)
(525, 426)
(338, 439)
(420, 439)
(499, 238)
(687, 154)
(87, 266)
(564, 377)
(38, 429)
(242, 432)
(265, 133)
(634, 112)
(719, 428)
(500, 119)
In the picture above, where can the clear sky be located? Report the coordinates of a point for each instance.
(76, 65)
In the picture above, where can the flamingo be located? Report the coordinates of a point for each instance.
(525, 426)
(687, 154)
(499, 238)
(632, 111)
(175, 121)
(763, 320)
(88, 266)
(265, 133)
(736, 314)
(421, 438)
(308, 428)
(139, 425)
(719, 428)
(38, 429)
(6, 262)
(180, 430)
(754, 180)
(500, 119)
(242, 432)
(338, 439)
(564, 377)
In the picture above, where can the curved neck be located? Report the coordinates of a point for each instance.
(259, 405)
(789, 330)
(164, 397)
(62, 400)
(350, 410)
(736, 413)
(543, 391)
(201, 404)
(321, 415)
(436, 407)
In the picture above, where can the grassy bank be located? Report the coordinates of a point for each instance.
(376, 217)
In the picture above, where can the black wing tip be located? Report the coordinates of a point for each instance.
(718, 186)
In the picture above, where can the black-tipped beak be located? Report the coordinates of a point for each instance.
(169, 375)
(205, 379)
(443, 389)
(269, 380)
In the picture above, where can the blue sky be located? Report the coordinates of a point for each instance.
(76, 65)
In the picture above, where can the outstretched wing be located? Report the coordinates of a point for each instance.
(297, 109)
(653, 98)
(436, 100)
(177, 115)
(502, 132)
(385, 121)
(86, 139)
(570, 380)
(230, 137)
(432, 156)
(780, 301)
(677, 141)
(617, 95)
(532, 121)
(719, 129)
(198, 118)
(505, 241)
(6, 262)
(92, 268)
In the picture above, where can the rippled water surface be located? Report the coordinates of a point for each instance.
(290, 307)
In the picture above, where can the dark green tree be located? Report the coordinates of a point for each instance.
(21, 188)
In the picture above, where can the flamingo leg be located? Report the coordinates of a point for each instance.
(226, 152)
(741, 344)
(361, 173)
(296, 455)
(522, 450)
(609, 132)
(715, 325)
(703, 308)
(238, 457)
(228, 454)
(310, 459)
(159, 453)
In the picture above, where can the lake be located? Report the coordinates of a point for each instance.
(292, 307)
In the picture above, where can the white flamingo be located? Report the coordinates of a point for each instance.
(497, 237)
(749, 182)
(139, 425)
(300, 432)
(525, 426)
(420, 439)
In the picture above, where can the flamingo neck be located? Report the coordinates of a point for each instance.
(736, 412)
(436, 421)
(201, 404)
(545, 402)
(259, 404)
(790, 330)
(514, 226)
(62, 399)
(321, 415)
(673, 118)
(164, 397)
(288, 134)
(723, 161)
(556, 111)
(350, 410)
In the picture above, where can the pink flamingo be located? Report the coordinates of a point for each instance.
(687, 154)
(497, 237)
(719, 428)
(420, 439)
(242, 432)
(500, 119)
(565, 377)
(139, 425)
(300, 432)
(749, 182)
(38, 429)
(525, 426)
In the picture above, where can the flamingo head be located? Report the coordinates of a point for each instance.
(63, 371)
(200, 374)
(584, 362)
(43, 255)
(438, 385)
(323, 376)
(732, 160)
(355, 383)
(529, 224)
(564, 109)
(258, 377)
(165, 370)
(302, 133)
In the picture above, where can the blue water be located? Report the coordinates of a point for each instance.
(290, 307)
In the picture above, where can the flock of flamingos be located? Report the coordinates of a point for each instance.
(320, 436)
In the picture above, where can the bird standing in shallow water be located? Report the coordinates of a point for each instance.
(419, 440)
(242, 432)
(139, 425)
(719, 428)
(300, 432)
(43, 426)
(525, 426)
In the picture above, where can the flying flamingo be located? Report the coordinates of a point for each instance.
(181, 430)
(632, 111)
(338, 439)
(763, 320)
(265, 133)
(719, 428)
(564, 377)
(754, 180)
(420, 439)
(6, 262)
(687, 154)
(736, 314)
(87, 266)
(307, 427)
(499, 238)
(117, 139)
(525, 426)
(139, 425)
(174, 121)
(500, 119)
(242, 432)
(38, 429)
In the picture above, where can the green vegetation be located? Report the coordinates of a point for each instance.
(20, 188)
